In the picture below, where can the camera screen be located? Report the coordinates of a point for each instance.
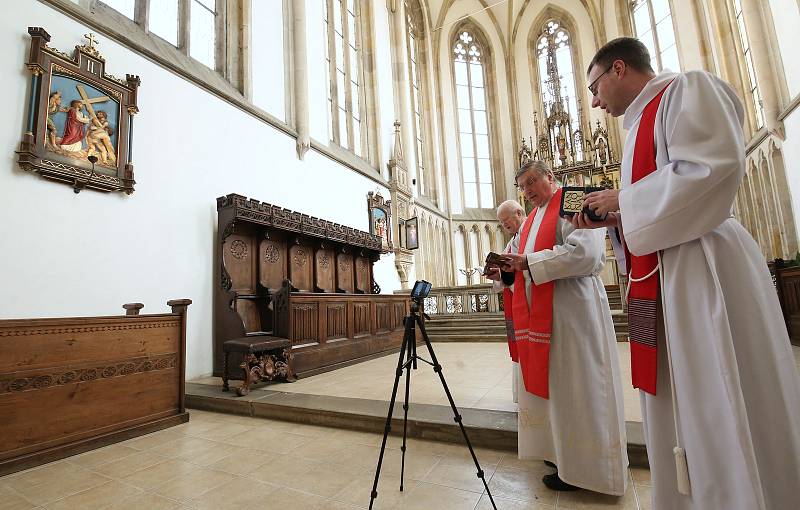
(421, 289)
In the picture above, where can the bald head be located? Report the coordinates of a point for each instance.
(510, 215)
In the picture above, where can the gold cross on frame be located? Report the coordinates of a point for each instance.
(92, 40)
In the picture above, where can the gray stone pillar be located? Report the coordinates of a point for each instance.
(300, 63)
(763, 64)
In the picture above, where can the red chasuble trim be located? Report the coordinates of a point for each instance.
(643, 273)
(533, 326)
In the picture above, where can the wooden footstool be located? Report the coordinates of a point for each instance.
(266, 358)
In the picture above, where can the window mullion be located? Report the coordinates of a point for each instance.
(184, 25)
(141, 14)
(474, 136)
(348, 100)
(332, 72)
(656, 43)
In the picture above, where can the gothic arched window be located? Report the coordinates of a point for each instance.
(345, 74)
(751, 84)
(473, 121)
(652, 21)
(415, 38)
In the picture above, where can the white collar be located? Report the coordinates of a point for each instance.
(649, 91)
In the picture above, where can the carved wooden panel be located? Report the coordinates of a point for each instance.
(326, 270)
(384, 316)
(361, 320)
(344, 271)
(238, 256)
(399, 314)
(300, 267)
(363, 281)
(305, 322)
(248, 311)
(272, 263)
(71, 384)
(336, 320)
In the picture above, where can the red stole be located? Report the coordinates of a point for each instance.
(533, 326)
(643, 295)
(508, 312)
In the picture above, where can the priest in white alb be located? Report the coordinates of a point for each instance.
(709, 349)
(570, 394)
(511, 215)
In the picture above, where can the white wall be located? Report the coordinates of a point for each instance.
(81, 255)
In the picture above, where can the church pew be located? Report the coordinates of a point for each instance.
(68, 385)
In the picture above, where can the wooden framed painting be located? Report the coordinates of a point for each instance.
(380, 214)
(80, 119)
(412, 233)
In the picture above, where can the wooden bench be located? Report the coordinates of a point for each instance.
(68, 385)
(265, 358)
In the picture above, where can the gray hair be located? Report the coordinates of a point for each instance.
(541, 167)
(511, 206)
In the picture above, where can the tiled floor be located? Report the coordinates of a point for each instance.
(220, 462)
(478, 375)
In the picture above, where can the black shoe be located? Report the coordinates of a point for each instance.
(550, 464)
(553, 482)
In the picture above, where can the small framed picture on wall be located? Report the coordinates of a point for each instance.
(412, 239)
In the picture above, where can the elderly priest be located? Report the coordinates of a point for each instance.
(570, 395)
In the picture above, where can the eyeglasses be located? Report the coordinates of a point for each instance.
(530, 181)
(593, 85)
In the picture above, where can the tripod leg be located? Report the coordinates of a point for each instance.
(398, 372)
(410, 358)
(438, 369)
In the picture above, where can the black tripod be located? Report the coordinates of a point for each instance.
(408, 352)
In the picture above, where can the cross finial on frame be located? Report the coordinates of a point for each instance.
(92, 40)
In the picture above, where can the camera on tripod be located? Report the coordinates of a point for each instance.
(407, 361)
(419, 292)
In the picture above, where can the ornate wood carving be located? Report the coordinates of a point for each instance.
(336, 320)
(325, 301)
(301, 269)
(344, 272)
(272, 263)
(384, 314)
(77, 111)
(264, 367)
(304, 320)
(361, 319)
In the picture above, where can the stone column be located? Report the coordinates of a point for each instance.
(300, 64)
(401, 78)
(763, 64)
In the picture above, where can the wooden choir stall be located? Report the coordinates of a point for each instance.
(287, 275)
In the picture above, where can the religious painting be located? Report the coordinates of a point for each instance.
(412, 232)
(80, 119)
(379, 211)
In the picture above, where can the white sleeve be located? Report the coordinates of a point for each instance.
(694, 192)
(582, 253)
(618, 243)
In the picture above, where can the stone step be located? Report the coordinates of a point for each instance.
(470, 337)
(499, 329)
